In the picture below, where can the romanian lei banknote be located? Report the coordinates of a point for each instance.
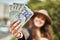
(20, 12)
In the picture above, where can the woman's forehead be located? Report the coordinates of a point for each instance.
(40, 15)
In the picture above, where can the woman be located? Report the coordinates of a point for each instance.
(39, 27)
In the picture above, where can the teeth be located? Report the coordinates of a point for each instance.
(38, 22)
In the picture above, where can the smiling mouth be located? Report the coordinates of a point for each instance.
(38, 22)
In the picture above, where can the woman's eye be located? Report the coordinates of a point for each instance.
(42, 18)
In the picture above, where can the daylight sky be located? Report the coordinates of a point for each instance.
(14, 1)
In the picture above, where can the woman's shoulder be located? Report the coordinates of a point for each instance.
(43, 38)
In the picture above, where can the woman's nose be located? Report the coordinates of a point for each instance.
(39, 19)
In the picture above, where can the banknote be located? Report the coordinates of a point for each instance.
(20, 12)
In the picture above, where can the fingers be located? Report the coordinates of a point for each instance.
(13, 23)
(14, 29)
(18, 27)
(18, 34)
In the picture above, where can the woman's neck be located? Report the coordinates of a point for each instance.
(36, 33)
(36, 28)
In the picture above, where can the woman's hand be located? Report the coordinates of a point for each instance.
(14, 29)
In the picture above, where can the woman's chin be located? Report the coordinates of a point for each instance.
(38, 26)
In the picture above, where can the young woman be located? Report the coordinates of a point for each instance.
(39, 27)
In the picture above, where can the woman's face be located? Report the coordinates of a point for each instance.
(39, 21)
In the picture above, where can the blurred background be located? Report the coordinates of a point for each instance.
(52, 6)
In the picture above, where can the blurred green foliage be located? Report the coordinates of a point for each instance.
(13, 38)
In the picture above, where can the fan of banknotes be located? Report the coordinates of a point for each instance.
(20, 12)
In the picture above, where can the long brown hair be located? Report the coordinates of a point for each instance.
(46, 30)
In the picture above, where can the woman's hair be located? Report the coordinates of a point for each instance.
(46, 30)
